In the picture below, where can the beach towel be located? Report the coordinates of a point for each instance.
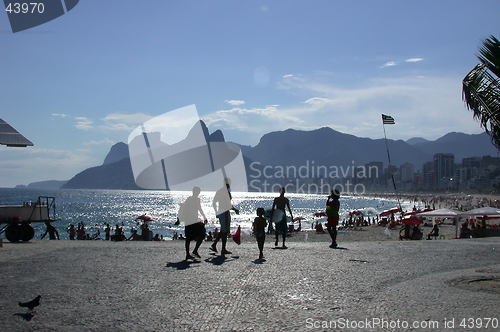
(237, 236)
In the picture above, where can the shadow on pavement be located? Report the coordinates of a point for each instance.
(358, 260)
(219, 260)
(26, 316)
(259, 261)
(340, 248)
(181, 265)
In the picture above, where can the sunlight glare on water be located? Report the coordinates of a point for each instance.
(95, 208)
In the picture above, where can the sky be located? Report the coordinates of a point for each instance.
(80, 83)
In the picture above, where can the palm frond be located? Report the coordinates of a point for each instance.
(490, 55)
(481, 89)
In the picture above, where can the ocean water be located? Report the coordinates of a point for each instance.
(95, 208)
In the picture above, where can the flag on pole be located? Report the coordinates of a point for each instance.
(387, 119)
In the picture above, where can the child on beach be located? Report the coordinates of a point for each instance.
(259, 229)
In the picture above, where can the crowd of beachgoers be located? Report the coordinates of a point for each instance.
(456, 201)
(326, 226)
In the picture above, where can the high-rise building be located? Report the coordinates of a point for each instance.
(444, 167)
(375, 171)
(428, 174)
(470, 168)
(407, 172)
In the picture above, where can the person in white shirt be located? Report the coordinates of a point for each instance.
(222, 206)
(194, 228)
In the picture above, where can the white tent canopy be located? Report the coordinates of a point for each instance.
(440, 213)
(483, 211)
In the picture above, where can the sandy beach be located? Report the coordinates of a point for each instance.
(366, 233)
(146, 286)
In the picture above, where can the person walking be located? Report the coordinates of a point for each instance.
(222, 205)
(259, 230)
(332, 213)
(278, 216)
(194, 229)
(53, 233)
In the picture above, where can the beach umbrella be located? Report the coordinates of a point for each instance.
(298, 218)
(411, 213)
(412, 221)
(145, 217)
(319, 214)
(389, 212)
(483, 211)
(356, 212)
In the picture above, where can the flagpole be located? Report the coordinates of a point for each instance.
(389, 168)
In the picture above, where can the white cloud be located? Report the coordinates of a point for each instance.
(234, 102)
(124, 122)
(288, 76)
(105, 141)
(428, 106)
(389, 64)
(83, 123)
(117, 127)
(250, 119)
(414, 59)
(317, 101)
(422, 106)
(59, 115)
(133, 118)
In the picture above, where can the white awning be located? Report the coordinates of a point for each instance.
(440, 213)
(484, 211)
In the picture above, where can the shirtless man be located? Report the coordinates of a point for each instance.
(280, 203)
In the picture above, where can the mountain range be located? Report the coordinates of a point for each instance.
(323, 146)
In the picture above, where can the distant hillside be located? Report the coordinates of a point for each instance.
(116, 171)
(117, 175)
(323, 146)
(50, 184)
(461, 145)
(118, 152)
(326, 146)
(416, 140)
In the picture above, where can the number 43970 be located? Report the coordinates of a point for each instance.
(25, 8)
